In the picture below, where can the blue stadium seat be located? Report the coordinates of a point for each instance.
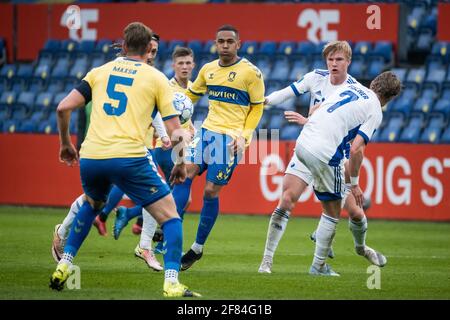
(25, 70)
(400, 73)
(167, 68)
(8, 97)
(42, 71)
(173, 44)
(52, 46)
(17, 85)
(287, 105)
(383, 49)
(103, 46)
(55, 86)
(318, 63)
(445, 93)
(69, 46)
(416, 75)
(423, 104)
(264, 65)
(425, 40)
(19, 112)
(412, 130)
(268, 48)
(36, 85)
(376, 66)
(442, 106)
(305, 48)
(445, 138)
(430, 90)
(10, 126)
(276, 119)
(363, 48)
(249, 48)
(358, 67)
(58, 97)
(48, 127)
(209, 47)
(272, 86)
(391, 131)
(299, 69)
(436, 76)
(281, 69)
(71, 83)
(86, 46)
(286, 47)
(5, 111)
(97, 62)
(434, 63)
(441, 50)
(432, 132)
(27, 126)
(318, 47)
(290, 132)
(196, 46)
(44, 101)
(26, 98)
(78, 71)
(8, 71)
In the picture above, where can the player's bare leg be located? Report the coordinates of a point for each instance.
(293, 187)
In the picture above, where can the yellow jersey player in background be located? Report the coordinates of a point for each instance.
(126, 94)
(235, 88)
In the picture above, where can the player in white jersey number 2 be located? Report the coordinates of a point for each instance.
(351, 113)
(320, 84)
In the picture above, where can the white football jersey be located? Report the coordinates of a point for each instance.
(317, 82)
(350, 110)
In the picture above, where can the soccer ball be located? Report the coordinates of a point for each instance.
(184, 106)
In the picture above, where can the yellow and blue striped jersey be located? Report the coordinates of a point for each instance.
(232, 91)
(126, 95)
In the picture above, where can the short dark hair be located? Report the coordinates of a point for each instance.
(155, 37)
(229, 27)
(182, 52)
(137, 37)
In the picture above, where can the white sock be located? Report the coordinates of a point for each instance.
(171, 275)
(66, 258)
(197, 248)
(358, 229)
(277, 226)
(63, 231)
(148, 230)
(324, 237)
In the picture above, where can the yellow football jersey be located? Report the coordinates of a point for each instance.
(232, 91)
(176, 88)
(126, 95)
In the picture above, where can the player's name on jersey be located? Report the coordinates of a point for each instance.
(124, 70)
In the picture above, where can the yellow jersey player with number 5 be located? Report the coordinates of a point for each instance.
(235, 88)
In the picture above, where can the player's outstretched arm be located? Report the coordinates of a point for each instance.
(356, 158)
(68, 152)
(180, 139)
(279, 96)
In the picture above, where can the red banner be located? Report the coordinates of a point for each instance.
(259, 22)
(404, 181)
(443, 27)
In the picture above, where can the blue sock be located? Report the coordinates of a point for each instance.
(80, 228)
(173, 243)
(208, 217)
(114, 197)
(181, 193)
(134, 212)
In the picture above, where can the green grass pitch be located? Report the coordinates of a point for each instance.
(418, 261)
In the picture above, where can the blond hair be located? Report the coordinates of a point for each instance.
(337, 46)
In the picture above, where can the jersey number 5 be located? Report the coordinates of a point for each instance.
(116, 95)
(350, 96)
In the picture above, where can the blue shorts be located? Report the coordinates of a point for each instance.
(137, 177)
(163, 158)
(210, 152)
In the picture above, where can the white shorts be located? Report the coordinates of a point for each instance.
(298, 169)
(329, 182)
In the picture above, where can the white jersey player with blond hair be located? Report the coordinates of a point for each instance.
(351, 114)
(320, 84)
